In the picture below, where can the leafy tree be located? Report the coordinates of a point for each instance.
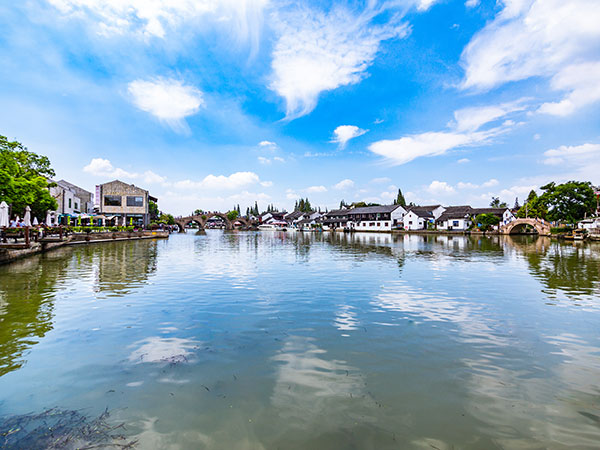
(166, 218)
(24, 179)
(486, 221)
(533, 207)
(343, 204)
(198, 212)
(496, 203)
(568, 202)
(303, 205)
(400, 199)
(153, 210)
(232, 215)
(516, 206)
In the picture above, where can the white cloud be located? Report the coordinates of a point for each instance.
(344, 133)
(531, 38)
(104, 168)
(268, 145)
(316, 189)
(263, 160)
(424, 5)
(467, 185)
(317, 51)
(151, 177)
(278, 159)
(266, 183)
(473, 118)
(582, 81)
(463, 160)
(577, 155)
(465, 131)
(167, 99)
(440, 187)
(236, 180)
(472, 3)
(344, 185)
(241, 19)
(490, 183)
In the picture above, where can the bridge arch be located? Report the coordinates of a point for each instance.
(542, 228)
(182, 222)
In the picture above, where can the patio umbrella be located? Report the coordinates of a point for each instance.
(124, 221)
(18, 219)
(48, 219)
(131, 221)
(35, 222)
(3, 214)
(27, 218)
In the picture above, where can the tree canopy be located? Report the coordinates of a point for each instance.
(400, 199)
(303, 205)
(496, 203)
(567, 202)
(24, 179)
(486, 221)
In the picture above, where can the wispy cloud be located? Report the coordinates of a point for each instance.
(343, 133)
(168, 100)
(467, 129)
(527, 40)
(317, 51)
(344, 185)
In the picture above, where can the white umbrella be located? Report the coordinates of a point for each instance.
(27, 218)
(18, 219)
(48, 219)
(35, 222)
(3, 214)
(124, 220)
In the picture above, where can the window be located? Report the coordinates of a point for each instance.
(135, 201)
(76, 206)
(69, 203)
(455, 223)
(372, 224)
(410, 222)
(112, 200)
(387, 224)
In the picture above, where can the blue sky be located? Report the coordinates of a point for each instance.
(211, 103)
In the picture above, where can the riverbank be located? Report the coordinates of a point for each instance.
(13, 252)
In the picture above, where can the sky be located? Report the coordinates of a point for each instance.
(213, 103)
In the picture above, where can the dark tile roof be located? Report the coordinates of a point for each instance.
(421, 211)
(373, 209)
(455, 212)
(495, 211)
(294, 215)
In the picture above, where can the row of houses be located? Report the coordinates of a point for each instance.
(388, 217)
(114, 203)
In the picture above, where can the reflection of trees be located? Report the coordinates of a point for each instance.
(26, 303)
(575, 270)
(122, 265)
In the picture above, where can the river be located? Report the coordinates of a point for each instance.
(268, 340)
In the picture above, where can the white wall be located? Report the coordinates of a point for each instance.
(462, 224)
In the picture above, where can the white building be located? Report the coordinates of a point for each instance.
(375, 218)
(455, 218)
(418, 218)
(591, 224)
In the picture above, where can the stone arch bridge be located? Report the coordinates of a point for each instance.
(514, 227)
(182, 222)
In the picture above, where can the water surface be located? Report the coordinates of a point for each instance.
(278, 340)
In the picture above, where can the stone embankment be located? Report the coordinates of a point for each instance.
(10, 252)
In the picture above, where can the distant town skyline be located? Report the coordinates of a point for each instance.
(214, 103)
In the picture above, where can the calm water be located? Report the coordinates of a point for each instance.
(273, 340)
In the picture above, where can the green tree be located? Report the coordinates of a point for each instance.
(166, 218)
(232, 215)
(533, 207)
(198, 212)
(486, 221)
(400, 199)
(568, 202)
(153, 210)
(496, 203)
(24, 179)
